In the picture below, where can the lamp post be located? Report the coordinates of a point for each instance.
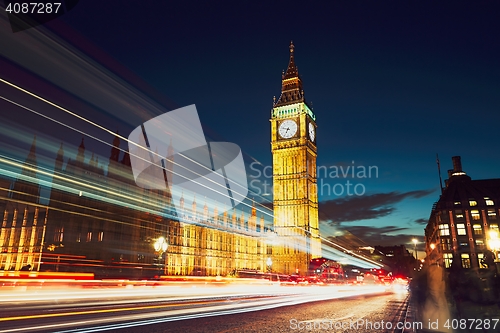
(161, 247)
(415, 241)
(269, 264)
(494, 242)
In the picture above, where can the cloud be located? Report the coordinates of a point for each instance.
(382, 236)
(357, 208)
(421, 221)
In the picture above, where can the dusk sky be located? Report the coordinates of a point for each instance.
(392, 83)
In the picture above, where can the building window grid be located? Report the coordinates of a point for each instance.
(480, 257)
(461, 231)
(480, 243)
(447, 258)
(475, 214)
(478, 229)
(465, 257)
(445, 244)
(459, 215)
(444, 230)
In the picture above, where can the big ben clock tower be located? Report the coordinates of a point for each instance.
(295, 196)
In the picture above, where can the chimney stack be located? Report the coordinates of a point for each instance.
(457, 164)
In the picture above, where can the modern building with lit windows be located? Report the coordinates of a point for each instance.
(464, 221)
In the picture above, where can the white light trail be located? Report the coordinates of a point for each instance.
(221, 192)
(283, 296)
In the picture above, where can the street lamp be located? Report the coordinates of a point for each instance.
(269, 264)
(494, 242)
(161, 247)
(415, 241)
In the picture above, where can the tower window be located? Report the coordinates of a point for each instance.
(142, 231)
(79, 234)
(59, 234)
(492, 215)
(475, 215)
(459, 215)
(472, 203)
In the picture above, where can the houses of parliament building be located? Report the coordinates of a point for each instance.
(96, 219)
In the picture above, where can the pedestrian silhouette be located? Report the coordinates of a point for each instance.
(436, 308)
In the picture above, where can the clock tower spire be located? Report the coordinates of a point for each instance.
(291, 84)
(295, 197)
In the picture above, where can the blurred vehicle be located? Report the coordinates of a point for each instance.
(325, 271)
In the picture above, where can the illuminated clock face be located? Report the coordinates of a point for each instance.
(287, 129)
(312, 132)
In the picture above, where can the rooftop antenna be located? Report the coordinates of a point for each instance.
(439, 172)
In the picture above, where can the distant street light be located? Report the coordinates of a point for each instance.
(415, 241)
(161, 246)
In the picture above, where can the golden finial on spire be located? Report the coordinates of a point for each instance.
(291, 46)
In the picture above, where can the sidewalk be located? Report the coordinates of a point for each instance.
(466, 316)
(476, 317)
